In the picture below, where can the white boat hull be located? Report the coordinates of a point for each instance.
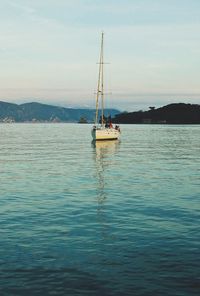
(105, 134)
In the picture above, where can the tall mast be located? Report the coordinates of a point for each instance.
(102, 82)
(100, 85)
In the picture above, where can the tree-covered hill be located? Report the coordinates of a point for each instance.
(178, 113)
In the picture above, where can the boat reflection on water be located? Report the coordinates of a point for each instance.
(105, 148)
(103, 154)
(105, 160)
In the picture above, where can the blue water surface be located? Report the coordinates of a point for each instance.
(115, 218)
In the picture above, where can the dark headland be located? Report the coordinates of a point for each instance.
(178, 113)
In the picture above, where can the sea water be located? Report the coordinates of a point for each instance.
(115, 218)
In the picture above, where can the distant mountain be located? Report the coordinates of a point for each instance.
(171, 114)
(36, 112)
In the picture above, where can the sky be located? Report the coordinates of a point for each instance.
(49, 51)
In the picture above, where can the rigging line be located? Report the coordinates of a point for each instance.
(98, 86)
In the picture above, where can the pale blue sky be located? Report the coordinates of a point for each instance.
(49, 50)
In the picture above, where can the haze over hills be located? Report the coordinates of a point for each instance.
(37, 112)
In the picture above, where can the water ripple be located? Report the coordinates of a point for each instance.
(111, 218)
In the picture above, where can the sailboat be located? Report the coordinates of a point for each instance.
(105, 129)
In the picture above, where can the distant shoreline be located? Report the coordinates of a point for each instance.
(177, 113)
